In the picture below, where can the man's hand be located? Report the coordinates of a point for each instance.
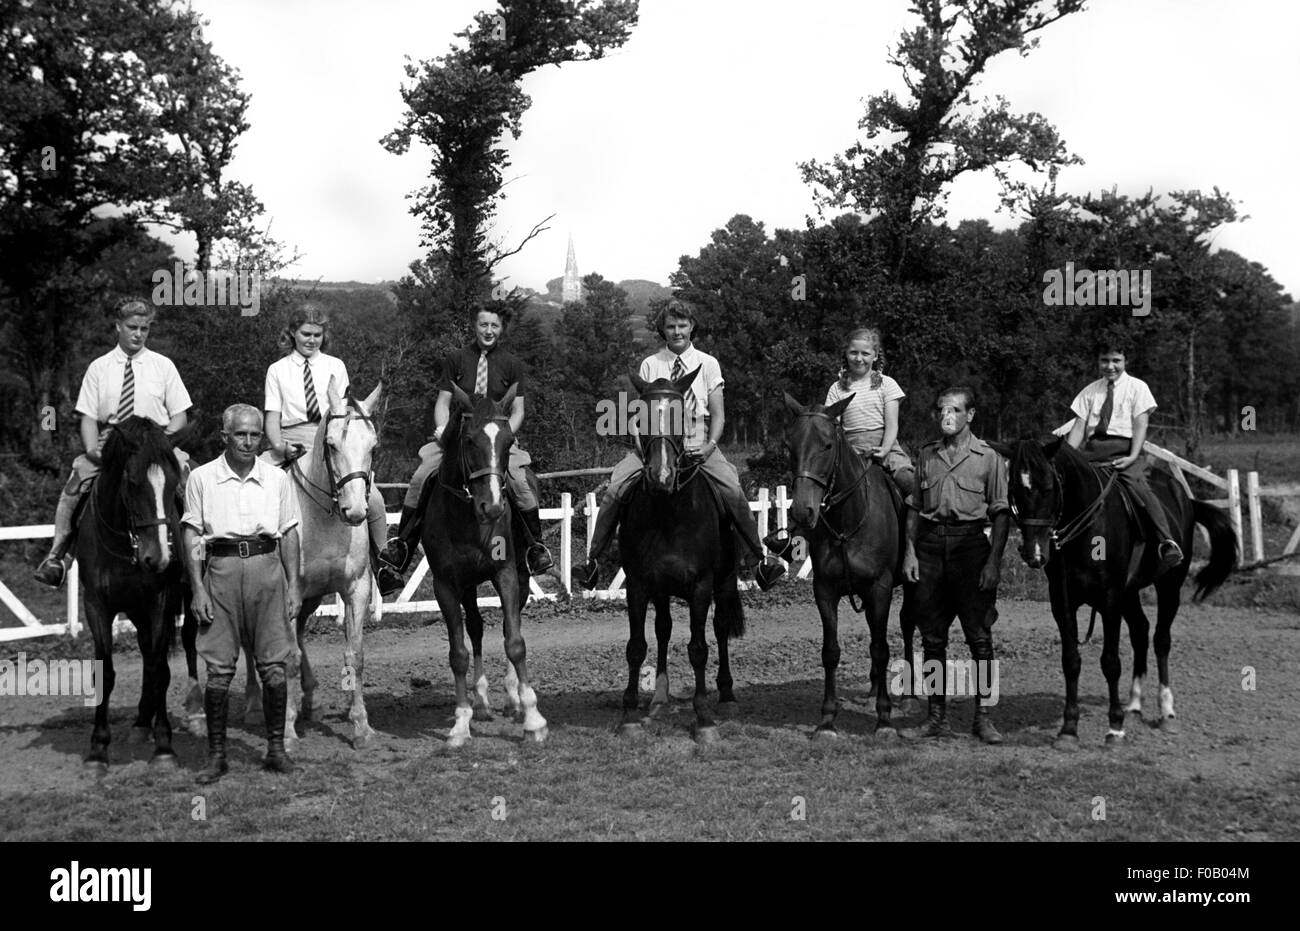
(989, 576)
(911, 567)
(201, 604)
(293, 603)
(1123, 462)
(704, 452)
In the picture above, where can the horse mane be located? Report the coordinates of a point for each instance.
(136, 440)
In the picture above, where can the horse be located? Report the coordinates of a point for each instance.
(1075, 522)
(674, 542)
(333, 486)
(846, 511)
(469, 537)
(126, 556)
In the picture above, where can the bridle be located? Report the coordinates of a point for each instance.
(131, 534)
(462, 460)
(1073, 528)
(830, 497)
(685, 466)
(335, 484)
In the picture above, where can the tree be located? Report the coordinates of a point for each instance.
(462, 104)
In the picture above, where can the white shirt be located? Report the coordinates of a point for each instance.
(867, 409)
(1132, 397)
(285, 392)
(222, 506)
(159, 393)
(709, 379)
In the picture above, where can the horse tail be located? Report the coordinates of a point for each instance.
(728, 610)
(1223, 548)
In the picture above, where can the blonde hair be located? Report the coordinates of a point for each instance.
(306, 312)
(877, 367)
(133, 306)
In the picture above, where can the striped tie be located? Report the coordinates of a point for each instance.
(313, 408)
(126, 406)
(678, 371)
(480, 376)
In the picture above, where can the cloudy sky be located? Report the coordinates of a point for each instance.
(709, 108)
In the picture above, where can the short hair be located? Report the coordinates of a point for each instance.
(966, 393)
(676, 307)
(235, 410)
(303, 313)
(501, 309)
(1114, 341)
(133, 306)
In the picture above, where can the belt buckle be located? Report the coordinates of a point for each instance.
(244, 552)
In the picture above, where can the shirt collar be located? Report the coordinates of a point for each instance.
(226, 474)
(120, 357)
(688, 357)
(475, 348)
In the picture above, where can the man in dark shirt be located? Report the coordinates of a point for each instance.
(481, 368)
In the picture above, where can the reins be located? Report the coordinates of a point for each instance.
(335, 484)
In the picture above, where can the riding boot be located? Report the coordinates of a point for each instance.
(401, 548)
(386, 576)
(53, 569)
(606, 523)
(538, 557)
(275, 702)
(936, 725)
(982, 727)
(215, 703)
(781, 544)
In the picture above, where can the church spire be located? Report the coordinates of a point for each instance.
(572, 289)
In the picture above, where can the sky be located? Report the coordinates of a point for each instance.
(708, 109)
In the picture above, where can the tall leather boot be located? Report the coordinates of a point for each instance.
(538, 556)
(982, 727)
(215, 703)
(401, 548)
(388, 578)
(936, 725)
(606, 523)
(275, 700)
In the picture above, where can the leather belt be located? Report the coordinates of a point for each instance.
(957, 528)
(253, 546)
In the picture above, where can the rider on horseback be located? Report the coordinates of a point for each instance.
(481, 368)
(129, 380)
(1110, 427)
(704, 417)
(295, 389)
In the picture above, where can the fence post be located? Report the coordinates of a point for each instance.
(591, 522)
(764, 500)
(1234, 507)
(1256, 522)
(782, 508)
(566, 540)
(74, 601)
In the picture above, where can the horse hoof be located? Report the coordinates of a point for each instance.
(632, 730)
(1170, 725)
(197, 725)
(96, 768)
(538, 736)
(364, 741)
(906, 706)
(456, 741)
(164, 760)
(885, 731)
(304, 713)
(484, 714)
(728, 709)
(139, 735)
(1066, 743)
(826, 732)
(657, 709)
(707, 734)
(1114, 738)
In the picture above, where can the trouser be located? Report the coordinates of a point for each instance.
(725, 478)
(304, 435)
(950, 561)
(431, 460)
(83, 472)
(895, 461)
(248, 602)
(1134, 478)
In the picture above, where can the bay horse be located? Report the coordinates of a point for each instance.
(674, 542)
(844, 508)
(470, 537)
(332, 481)
(128, 563)
(1073, 520)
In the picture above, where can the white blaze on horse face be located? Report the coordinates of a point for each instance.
(1024, 480)
(494, 480)
(158, 482)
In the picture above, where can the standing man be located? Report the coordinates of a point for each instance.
(705, 417)
(962, 485)
(127, 381)
(1110, 426)
(241, 523)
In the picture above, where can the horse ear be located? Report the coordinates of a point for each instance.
(838, 407)
(509, 398)
(1052, 447)
(790, 402)
(461, 397)
(370, 403)
(1002, 449)
(639, 383)
(688, 379)
(332, 393)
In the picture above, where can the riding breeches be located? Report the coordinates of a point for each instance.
(248, 601)
(1135, 479)
(950, 563)
(431, 459)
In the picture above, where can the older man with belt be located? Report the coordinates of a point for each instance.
(241, 523)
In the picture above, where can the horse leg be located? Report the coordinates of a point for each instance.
(161, 635)
(356, 608)
(907, 621)
(636, 651)
(828, 606)
(1138, 629)
(1168, 599)
(300, 679)
(663, 634)
(196, 721)
(721, 630)
(535, 728)
(100, 623)
(474, 625)
(1110, 667)
(449, 600)
(706, 731)
(876, 601)
(142, 727)
(1067, 624)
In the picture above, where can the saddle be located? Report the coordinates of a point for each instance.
(1139, 519)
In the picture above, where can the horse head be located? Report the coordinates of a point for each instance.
(348, 446)
(139, 463)
(814, 439)
(1037, 498)
(662, 429)
(482, 443)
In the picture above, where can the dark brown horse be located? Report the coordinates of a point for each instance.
(1073, 520)
(845, 510)
(125, 553)
(469, 537)
(674, 543)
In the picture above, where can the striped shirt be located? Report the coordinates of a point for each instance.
(284, 385)
(222, 506)
(867, 409)
(159, 393)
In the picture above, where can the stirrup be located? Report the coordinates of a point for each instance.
(588, 576)
(396, 553)
(779, 546)
(768, 571)
(538, 558)
(41, 574)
